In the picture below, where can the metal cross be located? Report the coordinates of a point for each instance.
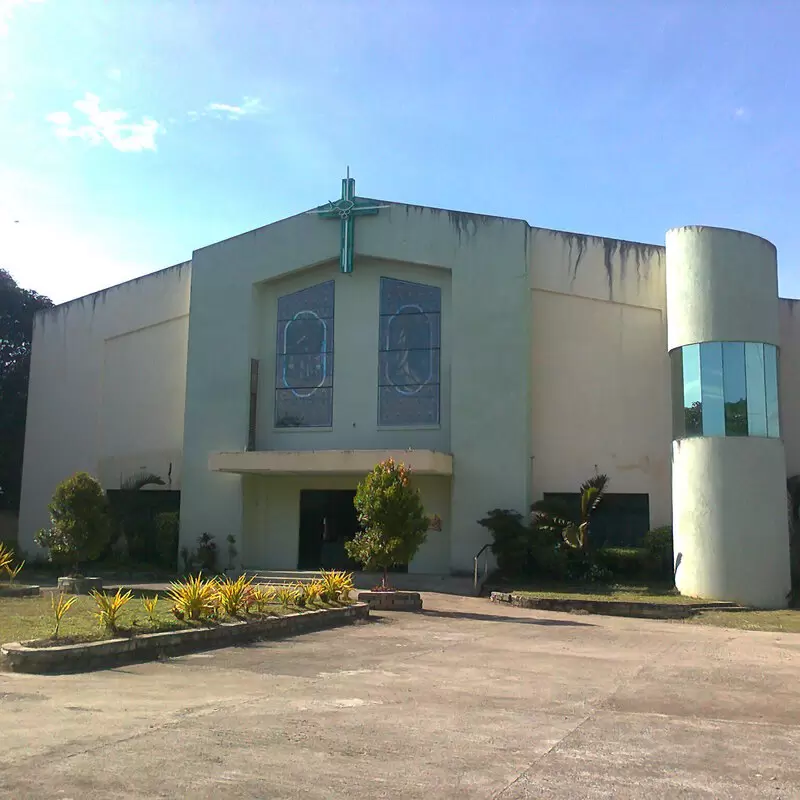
(345, 209)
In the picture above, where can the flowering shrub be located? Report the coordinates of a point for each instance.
(393, 521)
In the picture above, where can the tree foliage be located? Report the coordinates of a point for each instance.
(17, 309)
(79, 522)
(393, 521)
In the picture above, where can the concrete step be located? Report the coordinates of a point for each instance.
(282, 577)
(413, 582)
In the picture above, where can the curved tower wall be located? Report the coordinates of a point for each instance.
(730, 522)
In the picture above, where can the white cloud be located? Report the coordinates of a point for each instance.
(115, 74)
(7, 12)
(106, 126)
(741, 113)
(59, 118)
(249, 107)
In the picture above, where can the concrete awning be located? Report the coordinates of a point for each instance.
(327, 462)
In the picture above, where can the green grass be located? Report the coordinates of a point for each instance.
(31, 619)
(653, 593)
(785, 620)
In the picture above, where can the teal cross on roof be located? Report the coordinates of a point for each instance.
(346, 209)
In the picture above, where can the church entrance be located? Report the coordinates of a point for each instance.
(327, 520)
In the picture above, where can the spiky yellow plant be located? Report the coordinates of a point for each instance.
(232, 596)
(260, 597)
(286, 595)
(150, 604)
(60, 605)
(314, 592)
(6, 557)
(302, 594)
(109, 608)
(193, 598)
(14, 571)
(336, 585)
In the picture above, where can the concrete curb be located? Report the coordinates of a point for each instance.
(150, 646)
(18, 591)
(614, 608)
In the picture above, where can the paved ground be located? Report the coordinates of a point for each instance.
(468, 700)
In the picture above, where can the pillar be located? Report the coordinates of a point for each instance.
(729, 512)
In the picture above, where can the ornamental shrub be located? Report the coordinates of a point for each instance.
(658, 544)
(523, 548)
(624, 563)
(393, 521)
(79, 523)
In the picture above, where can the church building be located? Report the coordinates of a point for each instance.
(502, 362)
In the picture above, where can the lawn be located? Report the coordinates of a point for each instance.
(644, 593)
(786, 620)
(31, 618)
(783, 620)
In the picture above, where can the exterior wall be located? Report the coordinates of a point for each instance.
(488, 341)
(600, 371)
(271, 519)
(107, 388)
(722, 286)
(594, 267)
(789, 382)
(729, 494)
(600, 398)
(731, 537)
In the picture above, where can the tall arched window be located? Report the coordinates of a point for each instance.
(409, 347)
(304, 358)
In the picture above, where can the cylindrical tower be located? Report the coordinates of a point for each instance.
(729, 510)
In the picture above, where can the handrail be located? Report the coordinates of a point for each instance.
(480, 552)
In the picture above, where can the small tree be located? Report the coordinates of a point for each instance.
(393, 521)
(79, 523)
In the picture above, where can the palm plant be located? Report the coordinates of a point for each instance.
(553, 515)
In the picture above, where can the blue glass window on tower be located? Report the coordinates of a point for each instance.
(304, 358)
(725, 389)
(408, 357)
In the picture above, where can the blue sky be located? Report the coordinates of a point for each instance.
(134, 131)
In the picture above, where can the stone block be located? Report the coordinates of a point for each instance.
(391, 601)
(80, 585)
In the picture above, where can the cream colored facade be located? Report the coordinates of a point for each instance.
(553, 364)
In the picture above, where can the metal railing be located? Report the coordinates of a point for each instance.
(476, 584)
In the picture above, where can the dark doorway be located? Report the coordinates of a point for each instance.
(327, 520)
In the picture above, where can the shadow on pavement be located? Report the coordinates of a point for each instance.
(493, 618)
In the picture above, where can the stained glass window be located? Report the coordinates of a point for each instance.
(409, 347)
(304, 358)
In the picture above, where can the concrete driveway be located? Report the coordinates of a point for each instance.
(467, 700)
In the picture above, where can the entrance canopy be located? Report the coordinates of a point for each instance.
(328, 462)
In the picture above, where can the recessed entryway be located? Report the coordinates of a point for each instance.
(328, 519)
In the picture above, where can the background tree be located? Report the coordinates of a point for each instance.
(17, 309)
(79, 522)
(393, 521)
